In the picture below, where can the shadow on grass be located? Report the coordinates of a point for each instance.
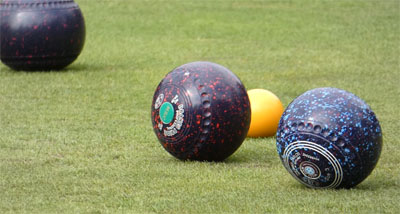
(229, 160)
(75, 67)
(235, 159)
(364, 186)
(376, 184)
(256, 153)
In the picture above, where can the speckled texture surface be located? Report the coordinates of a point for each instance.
(40, 34)
(211, 112)
(329, 138)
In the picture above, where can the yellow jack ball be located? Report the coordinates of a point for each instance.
(266, 111)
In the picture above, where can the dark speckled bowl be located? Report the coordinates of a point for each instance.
(201, 111)
(329, 138)
(40, 34)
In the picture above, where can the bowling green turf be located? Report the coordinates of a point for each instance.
(80, 140)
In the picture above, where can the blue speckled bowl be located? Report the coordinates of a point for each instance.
(329, 138)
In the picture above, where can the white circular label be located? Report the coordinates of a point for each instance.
(309, 163)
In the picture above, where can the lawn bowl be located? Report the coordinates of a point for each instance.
(329, 138)
(201, 111)
(40, 34)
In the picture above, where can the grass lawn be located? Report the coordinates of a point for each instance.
(81, 141)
